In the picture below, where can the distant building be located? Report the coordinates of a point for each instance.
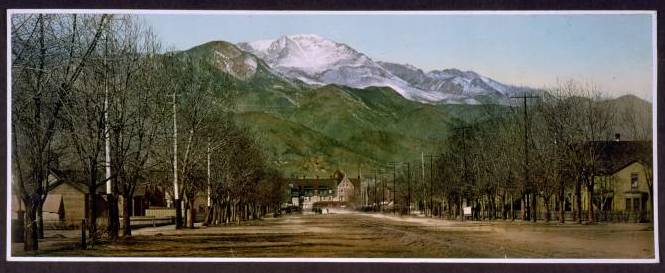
(67, 202)
(346, 190)
(621, 188)
(69, 193)
(305, 192)
(621, 181)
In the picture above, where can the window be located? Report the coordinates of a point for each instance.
(628, 205)
(636, 204)
(634, 177)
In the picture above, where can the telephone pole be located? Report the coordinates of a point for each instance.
(431, 183)
(107, 129)
(465, 175)
(394, 165)
(176, 190)
(375, 199)
(527, 179)
(422, 184)
(408, 181)
(208, 172)
(377, 177)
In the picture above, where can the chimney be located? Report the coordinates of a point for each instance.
(617, 137)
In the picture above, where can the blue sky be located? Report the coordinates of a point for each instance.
(611, 51)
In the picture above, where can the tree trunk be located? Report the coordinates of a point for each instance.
(591, 216)
(523, 207)
(185, 204)
(578, 202)
(178, 213)
(504, 213)
(190, 215)
(31, 236)
(512, 209)
(208, 218)
(92, 199)
(40, 219)
(113, 217)
(562, 204)
(534, 206)
(461, 208)
(126, 214)
(546, 200)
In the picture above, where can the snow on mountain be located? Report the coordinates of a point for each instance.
(317, 61)
(309, 53)
(448, 81)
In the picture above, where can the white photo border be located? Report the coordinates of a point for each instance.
(8, 178)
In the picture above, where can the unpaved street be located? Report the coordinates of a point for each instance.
(360, 235)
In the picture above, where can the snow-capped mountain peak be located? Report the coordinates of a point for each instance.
(317, 60)
(308, 52)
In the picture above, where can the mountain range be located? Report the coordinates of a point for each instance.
(318, 106)
(318, 61)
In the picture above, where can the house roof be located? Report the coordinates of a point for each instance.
(355, 182)
(314, 183)
(76, 179)
(616, 155)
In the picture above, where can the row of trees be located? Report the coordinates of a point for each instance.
(539, 149)
(94, 94)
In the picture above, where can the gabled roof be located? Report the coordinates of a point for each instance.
(76, 179)
(355, 182)
(615, 155)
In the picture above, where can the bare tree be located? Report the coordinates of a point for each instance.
(85, 119)
(577, 122)
(137, 111)
(49, 54)
(597, 128)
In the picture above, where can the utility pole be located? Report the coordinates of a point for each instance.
(527, 179)
(176, 191)
(394, 165)
(107, 134)
(383, 192)
(208, 171)
(431, 183)
(113, 215)
(422, 183)
(408, 181)
(375, 185)
(465, 175)
(377, 178)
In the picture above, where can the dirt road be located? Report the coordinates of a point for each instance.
(373, 235)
